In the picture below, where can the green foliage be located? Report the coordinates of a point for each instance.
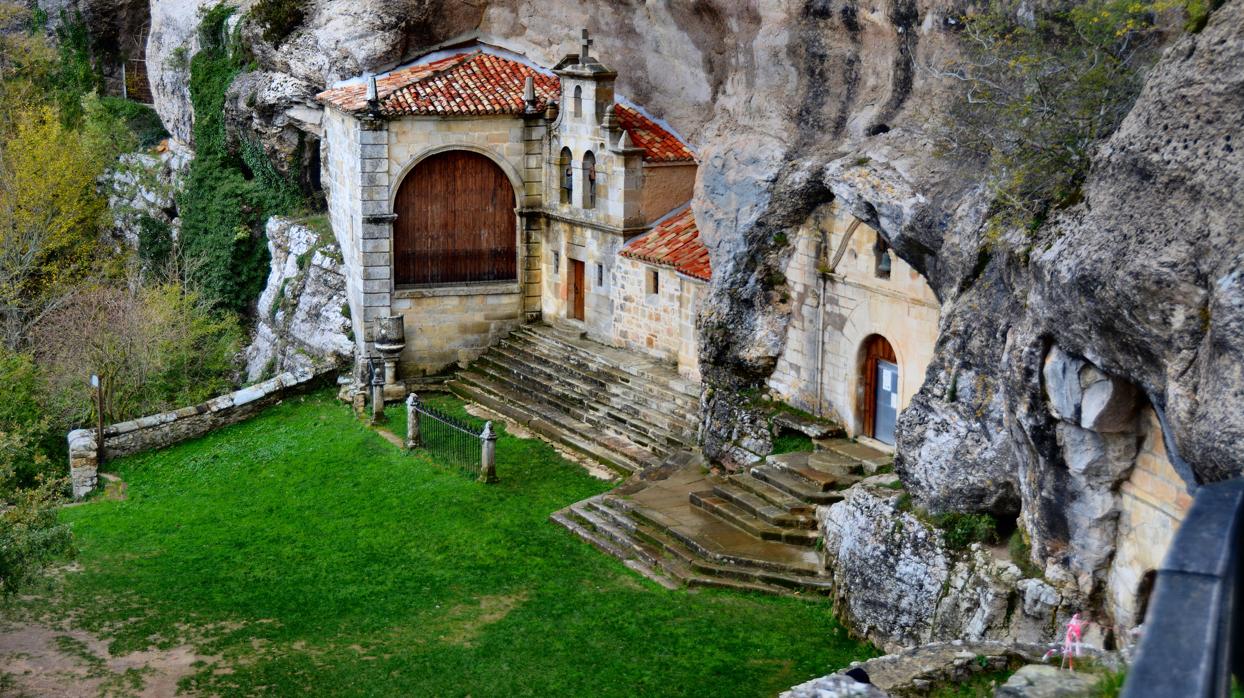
(1198, 13)
(155, 243)
(159, 347)
(978, 685)
(1110, 685)
(1040, 94)
(961, 530)
(792, 442)
(1021, 555)
(228, 196)
(278, 18)
(139, 119)
(30, 535)
(397, 576)
(75, 74)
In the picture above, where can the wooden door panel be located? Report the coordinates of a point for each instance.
(455, 222)
(577, 288)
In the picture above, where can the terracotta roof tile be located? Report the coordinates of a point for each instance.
(674, 242)
(659, 144)
(475, 83)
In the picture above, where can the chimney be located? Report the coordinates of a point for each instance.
(529, 93)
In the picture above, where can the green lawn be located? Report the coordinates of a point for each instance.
(311, 556)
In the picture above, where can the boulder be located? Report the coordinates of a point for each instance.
(1044, 681)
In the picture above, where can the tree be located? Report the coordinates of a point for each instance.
(50, 218)
(1041, 87)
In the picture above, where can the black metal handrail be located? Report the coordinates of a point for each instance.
(1193, 639)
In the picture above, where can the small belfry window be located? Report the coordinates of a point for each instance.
(565, 169)
(576, 105)
(654, 282)
(557, 262)
(600, 275)
(589, 180)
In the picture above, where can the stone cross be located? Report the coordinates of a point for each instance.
(585, 44)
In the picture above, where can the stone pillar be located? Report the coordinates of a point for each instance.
(377, 392)
(375, 245)
(488, 455)
(83, 462)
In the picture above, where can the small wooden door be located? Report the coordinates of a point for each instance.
(577, 290)
(879, 403)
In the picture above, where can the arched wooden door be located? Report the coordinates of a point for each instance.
(879, 374)
(455, 222)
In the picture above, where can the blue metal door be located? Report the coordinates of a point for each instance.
(886, 408)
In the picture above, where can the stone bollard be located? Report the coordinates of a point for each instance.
(413, 439)
(377, 392)
(488, 454)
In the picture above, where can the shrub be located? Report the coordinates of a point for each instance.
(158, 347)
(278, 18)
(962, 530)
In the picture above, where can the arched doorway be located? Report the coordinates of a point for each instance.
(455, 222)
(879, 398)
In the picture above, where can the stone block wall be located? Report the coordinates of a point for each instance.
(168, 428)
(454, 324)
(660, 324)
(857, 304)
(565, 241)
(1152, 503)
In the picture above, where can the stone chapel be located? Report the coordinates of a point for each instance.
(473, 191)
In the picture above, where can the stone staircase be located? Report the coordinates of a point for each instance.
(626, 410)
(753, 530)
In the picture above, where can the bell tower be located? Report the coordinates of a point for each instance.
(587, 87)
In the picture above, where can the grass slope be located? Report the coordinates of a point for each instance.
(311, 556)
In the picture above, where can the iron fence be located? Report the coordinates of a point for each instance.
(470, 449)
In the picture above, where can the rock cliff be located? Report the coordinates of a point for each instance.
(303, 321)
(1050, 339)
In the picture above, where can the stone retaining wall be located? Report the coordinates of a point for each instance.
(168, 428)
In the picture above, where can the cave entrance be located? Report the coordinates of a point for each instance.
(879, 376)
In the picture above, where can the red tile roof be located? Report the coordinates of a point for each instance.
(659, 144)
(466, 84)
(674, 242)
(477, 83)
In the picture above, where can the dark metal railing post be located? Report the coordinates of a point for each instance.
(1190, 643)
(413, 438)
(488, 454)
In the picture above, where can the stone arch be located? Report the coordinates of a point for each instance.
(455, 221)
(589, 180)
(512, 174)
(565, 176)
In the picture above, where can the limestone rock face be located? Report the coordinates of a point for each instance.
(303, 325)
(833, 686)
(938, 593)
(172, 42)
(143, 185)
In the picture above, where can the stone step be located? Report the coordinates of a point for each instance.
(630, 388)
(764, 509)
(627, 367)
(690, 555)
(532, 392)
(603, 544)
(633, 390)
(871, 458)
(779, 498)
(738, 517)
(795, 486)
(599, 526)
(768, 557)
(822, 471)
(616, 453)
(594, 397)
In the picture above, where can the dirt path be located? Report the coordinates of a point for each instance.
(38, 660)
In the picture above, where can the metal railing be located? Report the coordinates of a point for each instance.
(1193, 638)
(451, 439)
